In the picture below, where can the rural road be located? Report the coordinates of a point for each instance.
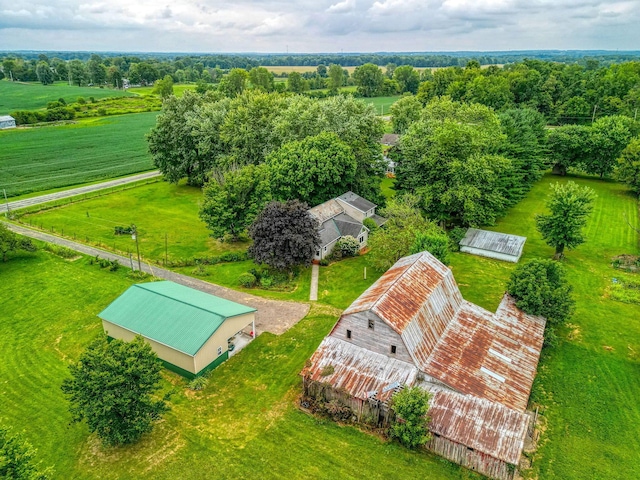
(273, 316)
(27, 202)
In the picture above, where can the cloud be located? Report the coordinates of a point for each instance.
(342, 7)
(318, 25)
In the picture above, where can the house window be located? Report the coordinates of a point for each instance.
(325, 249)
(317, 253)
(371, 324)
(361, 239)
(219, 351)
(393, 349)
(348, 333)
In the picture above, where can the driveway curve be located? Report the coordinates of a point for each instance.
(273, 316)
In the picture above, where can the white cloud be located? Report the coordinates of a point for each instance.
(342, 7)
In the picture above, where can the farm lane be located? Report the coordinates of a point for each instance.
(273, 316)
(50, 197)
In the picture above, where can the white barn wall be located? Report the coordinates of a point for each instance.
(486, 253)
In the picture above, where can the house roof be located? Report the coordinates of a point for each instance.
(329, 232)
(326, 210)
(6, 118)
(479, 424)
(348, 225)
(494, 242)
(356, 201)
(362, 373)
(172, 314)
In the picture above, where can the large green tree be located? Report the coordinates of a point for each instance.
(164, 87)
(369, 79)
(405, 112)
(174, 150)
(540, 287)
(567, 146)
(312, 170)
(233, 200)
(284, 236)
(234, 82)
(114, 386)
(336, 78)
(45, 74)
(607, 138)
(262, 79)
(569, 207)
(408, 79)
(629, 165)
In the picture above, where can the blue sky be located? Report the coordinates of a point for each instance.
(319, 25)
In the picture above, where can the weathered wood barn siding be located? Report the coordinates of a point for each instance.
(471, 459)
(378, 340)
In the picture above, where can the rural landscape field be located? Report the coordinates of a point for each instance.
(416, 258)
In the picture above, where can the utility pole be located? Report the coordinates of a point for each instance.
(165, 249)
(134, 236)
(593, 117)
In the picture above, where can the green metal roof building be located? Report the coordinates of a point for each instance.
(187, 328)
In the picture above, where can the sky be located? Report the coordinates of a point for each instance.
(309, 26)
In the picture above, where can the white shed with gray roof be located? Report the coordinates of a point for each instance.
(7, 121)
(499, 246)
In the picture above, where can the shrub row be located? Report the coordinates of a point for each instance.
(224, 258)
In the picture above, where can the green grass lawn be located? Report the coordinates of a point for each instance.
(43, 158)
(34, 95)
(156, 209)
(382, 104)
(588, 387)
(243, 425)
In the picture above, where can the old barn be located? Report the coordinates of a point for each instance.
(496, 245)
(191, 331)
(413, 328)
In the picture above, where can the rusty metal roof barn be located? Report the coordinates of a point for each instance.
(499, 246)
(412, 327)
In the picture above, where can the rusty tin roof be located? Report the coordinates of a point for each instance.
(485, 426)
(359, 371)
(492, 356)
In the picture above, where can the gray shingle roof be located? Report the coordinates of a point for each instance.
(356, 201)
(348, 225)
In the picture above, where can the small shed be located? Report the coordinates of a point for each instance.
(499, 246)
(192, 332)
(7, 121)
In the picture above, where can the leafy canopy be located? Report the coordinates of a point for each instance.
(17, 458)
(569, 206)
(113, 387)
(629, 165)
(411, 406)
(284, 235)
(10, 242)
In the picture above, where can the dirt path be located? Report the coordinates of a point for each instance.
(27, 202)
(273, 316)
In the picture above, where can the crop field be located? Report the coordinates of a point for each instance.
(42, 158)
(178, 89)
(34, 95)
(244, 424)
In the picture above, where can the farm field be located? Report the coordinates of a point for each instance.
(178, 89)
(34, 95)
(43, 158)
(245, 424)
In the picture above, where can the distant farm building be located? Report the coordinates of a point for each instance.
(341, 217)
(390, 140)
(413, 328)
(7, 121)
(191, 331)
(496, 245)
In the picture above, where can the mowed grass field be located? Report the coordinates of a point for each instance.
(42, 158)
(245, 424)
(34, 95)
(178, 89)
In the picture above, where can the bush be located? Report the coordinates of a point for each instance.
(81, 100)
(247, 280)
(200, 271)
(198, 383)
(411, 406)
(370, 224)
(347, 246)
(102, 111)
(123, 230)
(62, 252)
(436, 243)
